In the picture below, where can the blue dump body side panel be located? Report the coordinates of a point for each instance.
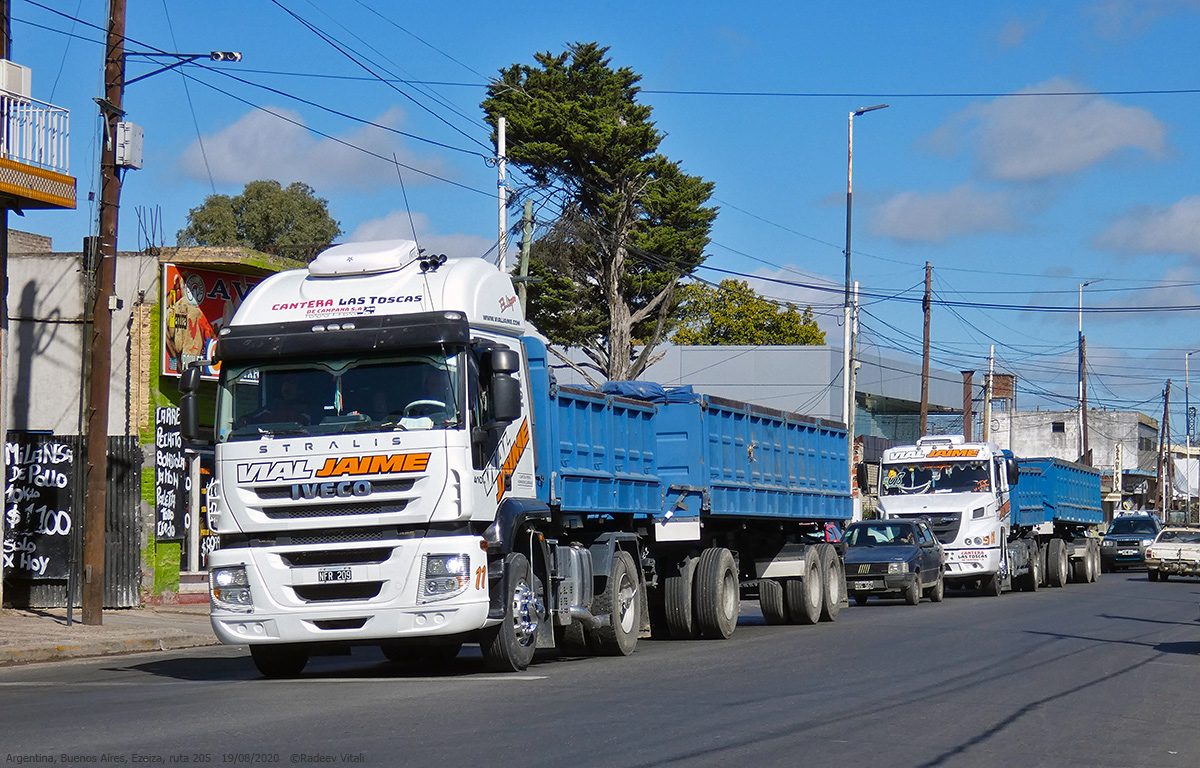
(595, 453)
(753, 461)
(598, 454)
(1053, 490)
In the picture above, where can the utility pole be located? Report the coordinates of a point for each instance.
(1085, 456)
(502, 190)
(925, 352)
(5, 52)
(526, 240)
(987, 395)
(1164, 454)
(101, 361)
(968, 411)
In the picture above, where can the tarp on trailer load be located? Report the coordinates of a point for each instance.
(651, 392)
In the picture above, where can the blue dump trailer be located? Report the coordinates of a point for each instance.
(1058, 505)
(696, 502)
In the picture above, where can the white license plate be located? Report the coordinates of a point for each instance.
(333, 574)
(1127, 551)
(864, 585)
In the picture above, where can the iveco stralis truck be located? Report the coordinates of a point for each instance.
(1005, 522)
(396, 466)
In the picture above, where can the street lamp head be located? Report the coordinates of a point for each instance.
(862, 110)
(225, 55)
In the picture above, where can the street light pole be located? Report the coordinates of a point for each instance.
(1083, 435)
(848, 336)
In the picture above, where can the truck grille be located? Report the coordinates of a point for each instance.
(301, 511)
(336, 557)
(945, 526)
(275, 492)
(323, 593)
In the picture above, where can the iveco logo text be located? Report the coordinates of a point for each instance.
(341, 490)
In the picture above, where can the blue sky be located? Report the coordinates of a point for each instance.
(1014, 196)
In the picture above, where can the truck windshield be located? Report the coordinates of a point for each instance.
(954, 477)
(419, 389)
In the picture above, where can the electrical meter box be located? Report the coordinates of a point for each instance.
(129, 145)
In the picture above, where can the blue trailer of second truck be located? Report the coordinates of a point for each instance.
(1059, 505)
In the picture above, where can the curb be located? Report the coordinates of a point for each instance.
(104, 648)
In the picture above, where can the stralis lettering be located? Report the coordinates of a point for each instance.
(374, 465)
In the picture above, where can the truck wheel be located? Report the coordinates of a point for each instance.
(718, 593)
(991, 585)
(1056, 562)
(860, 598)
(622, 601)
(1163, 575)
(1078, 571)
(677, 598)
(835, 582)
(803, 595)
(770, 600)
(509, 646)
(1095, 550)
(279, 661)
(938, 590)
(912, 593)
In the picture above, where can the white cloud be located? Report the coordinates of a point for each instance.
(1016, 30)
(1125, 19)
(913, 217)
(262, 146)
(396, 226)
(1027, 138)
(1174, 229)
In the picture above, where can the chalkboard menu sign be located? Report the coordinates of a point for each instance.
(209, 541)
(37, 506)
(171, 481)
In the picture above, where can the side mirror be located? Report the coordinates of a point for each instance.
(504, 360)
(862, 477)
(189, 406)
(1014, 472)
(506, 398)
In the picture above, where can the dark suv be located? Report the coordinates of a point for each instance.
(893, 558)
(1125, 543)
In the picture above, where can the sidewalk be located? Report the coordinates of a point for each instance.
(34, 635)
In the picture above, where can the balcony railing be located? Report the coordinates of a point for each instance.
(34, 132)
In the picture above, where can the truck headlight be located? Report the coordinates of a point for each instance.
(229, 589)
(897, 567)
(444, 576)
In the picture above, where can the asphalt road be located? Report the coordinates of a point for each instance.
(1091, 675)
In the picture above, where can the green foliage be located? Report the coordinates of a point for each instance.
(630, 223)
(732, 313)
(264, 216)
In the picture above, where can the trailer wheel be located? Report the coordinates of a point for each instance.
(509, 646)
(803, 595)
(622, 601)
(770, 600)
(279, 661)
(718, 593)
(677, 599)
(835, 582)
(1056, 561)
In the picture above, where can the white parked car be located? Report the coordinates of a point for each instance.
(1176, 550)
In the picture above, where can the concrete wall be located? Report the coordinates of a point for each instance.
(44, 353)
(1056, 433)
